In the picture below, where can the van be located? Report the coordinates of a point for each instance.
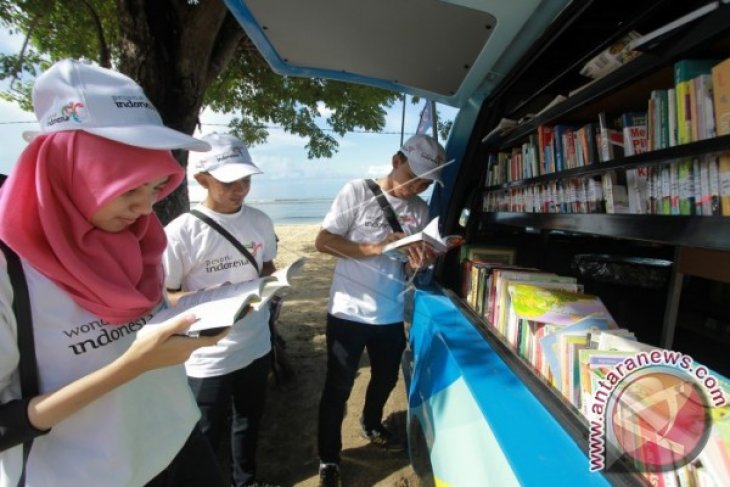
(590, 144)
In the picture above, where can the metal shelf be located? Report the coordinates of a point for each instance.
(704, 31)
(711, 232)
(575, 424)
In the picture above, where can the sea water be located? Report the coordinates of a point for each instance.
(288, 201)
(304, 200)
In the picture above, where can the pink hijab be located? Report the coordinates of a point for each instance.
(59, 182)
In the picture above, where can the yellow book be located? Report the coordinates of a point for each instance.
(684, 112)
(684, 71)
(721, 99)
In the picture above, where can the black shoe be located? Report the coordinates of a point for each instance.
(380, 436)
(329, 475)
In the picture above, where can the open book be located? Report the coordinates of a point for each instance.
(223, 306)
(430, 235)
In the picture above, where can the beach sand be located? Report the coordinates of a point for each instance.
(287, 453)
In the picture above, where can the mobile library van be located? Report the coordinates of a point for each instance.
(580, 334)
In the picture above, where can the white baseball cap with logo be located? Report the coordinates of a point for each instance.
(75, 95)
(425, 156)
(227, 161)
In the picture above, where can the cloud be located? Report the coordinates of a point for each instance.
(11, 139)
(10, 43)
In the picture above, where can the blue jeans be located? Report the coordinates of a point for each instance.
(346, 341)
(193, 466)
(244, 391)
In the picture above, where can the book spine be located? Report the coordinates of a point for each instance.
(724, 177)
(686, 187)
(697, 186)
(715, 204)
(634, 133)
(671, 117)
(684, 113)
(604, 152)
(663, 119)
(705, 196)
(666, 191)
(708, 111)
(651, 122)
(607, 188)
(674, 185)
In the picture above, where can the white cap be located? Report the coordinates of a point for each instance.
(227, 161)
(74, 95)
(425, 156)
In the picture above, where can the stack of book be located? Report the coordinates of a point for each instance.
(570, 340)
(695, 108)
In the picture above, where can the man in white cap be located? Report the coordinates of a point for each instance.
(366, 298)
(224, 240)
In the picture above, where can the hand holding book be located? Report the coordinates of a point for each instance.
(430, 235)
(223, 306)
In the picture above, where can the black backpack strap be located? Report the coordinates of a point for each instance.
(28, 366)
(212, 223)
(384, 205)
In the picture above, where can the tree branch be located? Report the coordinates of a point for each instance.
(104, 55)
(228, 38)
(21, 55)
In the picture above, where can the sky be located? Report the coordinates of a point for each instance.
(283, 158)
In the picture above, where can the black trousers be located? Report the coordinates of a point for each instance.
(238, 397)
(193, 466)
(346, 341)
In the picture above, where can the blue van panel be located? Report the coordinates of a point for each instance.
(447, 348)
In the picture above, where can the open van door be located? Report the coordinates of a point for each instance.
(485, 407)
(451, 52)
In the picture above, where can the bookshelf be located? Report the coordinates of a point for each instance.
(707, 147)
(698, 245)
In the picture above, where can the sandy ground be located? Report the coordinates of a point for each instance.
(287, 453)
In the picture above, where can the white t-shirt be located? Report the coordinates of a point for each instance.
(369, 290)
(198, 257)
(125, 437)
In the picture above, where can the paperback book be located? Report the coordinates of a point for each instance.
(223, 306)
(429, 235)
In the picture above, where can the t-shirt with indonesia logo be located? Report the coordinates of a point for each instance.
(369, 290)
(198, 257)
(125, 437)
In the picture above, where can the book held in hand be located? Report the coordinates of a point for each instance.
(222, 306)
(429, 235)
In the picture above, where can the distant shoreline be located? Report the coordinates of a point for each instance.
(306, 211)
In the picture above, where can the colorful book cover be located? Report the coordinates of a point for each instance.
(715, 203)
(633, 125)
(672, 117)
(721, 99)
(546, 281)
(556, 306)
(684, 71)
(545, 146)
(550, 343)
(503, 279)
(686, 187)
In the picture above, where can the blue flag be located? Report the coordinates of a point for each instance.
(426, 122)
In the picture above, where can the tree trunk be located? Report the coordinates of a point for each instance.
(175, 50)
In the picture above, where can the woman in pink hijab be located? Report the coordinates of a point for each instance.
(113, 408)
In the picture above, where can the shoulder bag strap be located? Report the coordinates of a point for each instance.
(384, 205)
(213, 224)
(28, 367)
